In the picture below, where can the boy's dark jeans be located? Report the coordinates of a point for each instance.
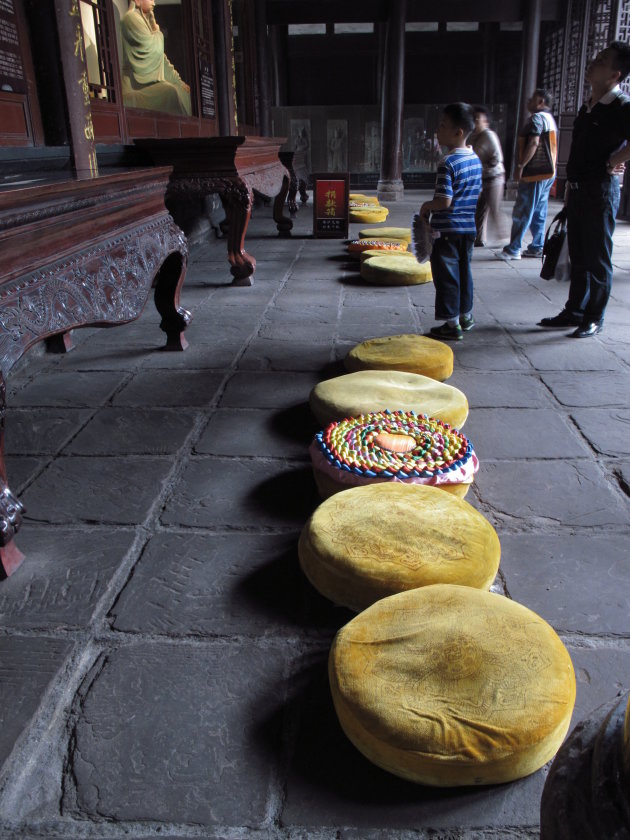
(450, 266)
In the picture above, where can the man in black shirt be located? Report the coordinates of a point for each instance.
(600, 146)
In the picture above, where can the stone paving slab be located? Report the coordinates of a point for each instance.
(234, 493)
(601, 389)
(42, 430)
(170, 388)
(555, 576)
(21, 470)
(608, 431)
(501, 390)
(508, 434)
(215, 585)
(556, 493)
(267, 389)
(28, 666)
(105, 490)
(69, 389)
(217, 355)
(131, 757)
(64, 575)
(255, 433)
(133, 431)
(497, 355)
(271, 354)
(573, 354)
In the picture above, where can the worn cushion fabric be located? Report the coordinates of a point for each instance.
(366, 391)
(396, 232)
(448, 685)
(368, 199)
(411, 353)
(368, 214)
(366, 543)
(385, 272)
(380, 252)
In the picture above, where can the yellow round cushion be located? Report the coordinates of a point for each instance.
(366, 391)
(412, 353)
(396, 232)
(368, 199)
(369, 214)
(380, 252)
(449, 685)
(357, 246)
(390, 272)
(366, 543)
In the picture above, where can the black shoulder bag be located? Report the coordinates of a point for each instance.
(554, 240)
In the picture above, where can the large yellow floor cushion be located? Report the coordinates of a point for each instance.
(376, 390)
(380, 252)
(409, 352)
(392, 446)
(368, 199)
(394, 272)
(368, 214)
(371, 542)
(396, 232)
(448, 685)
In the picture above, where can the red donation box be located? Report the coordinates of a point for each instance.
(330, 205)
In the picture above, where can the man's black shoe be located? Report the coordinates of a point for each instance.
(560, 322)
(585, 330)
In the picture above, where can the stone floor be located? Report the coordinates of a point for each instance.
(164, 660)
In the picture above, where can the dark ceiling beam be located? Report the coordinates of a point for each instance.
(360, 11)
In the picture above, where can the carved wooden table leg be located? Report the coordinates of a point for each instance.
(168, 283)
(293, 188)
(302, 190)
(60, 343)
(283, 223)
(11, 509)
(237, 200)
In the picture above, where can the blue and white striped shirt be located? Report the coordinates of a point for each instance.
(458, 178)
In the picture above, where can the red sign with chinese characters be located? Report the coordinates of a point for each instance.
(330, 205)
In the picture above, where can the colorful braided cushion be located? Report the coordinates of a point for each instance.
(357, 246)
(375, 390)
(396, 232)
(392, 446)
(370, 542)
(448, 685)
(412, 353)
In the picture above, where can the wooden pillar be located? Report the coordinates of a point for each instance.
(262, 69)
(77, 91)
(390, 185)
(223, 64)
(279, 52)
(531, 40)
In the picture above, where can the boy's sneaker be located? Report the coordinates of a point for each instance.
(508, 255)
(535, 252)
(449, 333)
(466, 322)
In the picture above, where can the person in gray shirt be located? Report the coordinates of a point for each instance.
(487, 146)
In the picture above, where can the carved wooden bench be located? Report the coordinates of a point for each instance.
(79, 253)
(233, 167)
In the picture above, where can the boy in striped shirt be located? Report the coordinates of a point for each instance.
(451, 214)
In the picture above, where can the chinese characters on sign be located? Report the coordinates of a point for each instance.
(330, 206)
(11, 71)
